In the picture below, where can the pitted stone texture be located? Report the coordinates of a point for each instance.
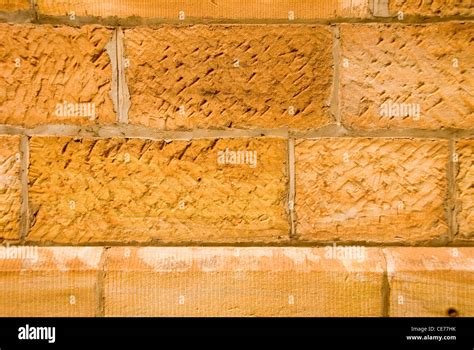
(250, 76)
(10, 187)
(376, 190)
(42, 66)
(120, 190)
(436, 8)
(408, 66)
(465, 182)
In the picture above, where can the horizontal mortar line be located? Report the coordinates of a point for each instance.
(130, 22)
(342, 132)
(284, 244)
(134, 131)
(143, 132)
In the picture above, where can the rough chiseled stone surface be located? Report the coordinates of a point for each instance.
(241, 282)
(430, 282)
(42, 66)
(119, 190)
(10, 187)
(199, 223)
(408, 65)
(377, 190)
(465, 182)
(50, 282)
(229, 76)
(437, 8)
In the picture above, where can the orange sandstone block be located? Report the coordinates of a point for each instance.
(242, 282)
(398, 76)
(216, 9)
(434, 8)
(49, 281)
(10, 187)
(430, 282)
(234, 76)
(14, 5)
(133, 190)
(55, 75)
(465, 183)
(377, 190)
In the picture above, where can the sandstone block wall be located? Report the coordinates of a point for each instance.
(236, 158)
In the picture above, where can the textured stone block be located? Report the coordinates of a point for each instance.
(119, 190)
(436, 8)
(377, 190)
(465, 182)
(241, 282)
(10, 187)
(44, 68)
(407, 76)
(229, 76)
